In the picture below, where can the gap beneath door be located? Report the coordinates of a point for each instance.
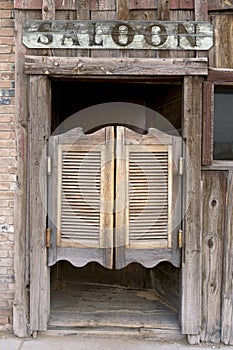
(117, 308)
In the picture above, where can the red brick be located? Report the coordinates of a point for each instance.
(8, 23)
(3, 319)
(6, 32)
(7, 58)
(6, 14)
(4, 49)
(7, 41)
(6, 5)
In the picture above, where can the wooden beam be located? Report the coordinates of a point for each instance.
(213, 209)
(39, 130)
(207, 123)
(191, 266)
(21, 249)
(227, 289)
(114, 66)
(217, 75)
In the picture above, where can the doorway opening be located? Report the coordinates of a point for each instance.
(143, 300)
(135, 299)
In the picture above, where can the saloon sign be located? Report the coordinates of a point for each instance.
(118, 35)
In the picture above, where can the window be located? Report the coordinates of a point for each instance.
(223, 123)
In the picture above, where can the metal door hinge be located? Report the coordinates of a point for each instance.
(49, 165)
(180, 238)
(181, 166)
(48, 234)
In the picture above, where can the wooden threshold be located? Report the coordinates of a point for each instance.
(106, 309)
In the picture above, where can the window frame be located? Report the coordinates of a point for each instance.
(216, 78)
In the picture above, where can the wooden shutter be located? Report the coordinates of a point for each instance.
(81, 197)
(148, 197)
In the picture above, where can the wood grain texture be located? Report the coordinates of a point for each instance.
(227, 290)
(98, 305)
(207, 123)
(201, 10)
(223, 45)
(39, 130)
(21, 251)
(103, 5)
(48, 9)
(114, 67)
(37, 4)
(213, 206)
(83, 12)
(220, 75)
(191, 269)
(163, 14)
(213, 5)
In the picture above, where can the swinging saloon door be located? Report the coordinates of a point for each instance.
(114, 197)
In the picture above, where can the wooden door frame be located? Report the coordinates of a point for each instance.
(31, 145)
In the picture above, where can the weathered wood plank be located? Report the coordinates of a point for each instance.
(201, 14)
(103, 15)
(48, 9)
(114, 66)
(182, 15)
(83, 13)
(223, 44)
(182, 4)
(220, 75)
(207, 123)
(103, 5)
(143, 4)
(213, 5)
(37, 4)
(163, 15)
(213, 206)
(21, 250)
(191, 271)
(201, 10)
(143, 15)
(227, 290)
(218, 5)
(39, 129)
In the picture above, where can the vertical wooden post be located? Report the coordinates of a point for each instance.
(21, 300)
(214, 198)
(191, 265)
(39, 130)
(83, 12)
(207, 125)
(227, 290)
(201, 14)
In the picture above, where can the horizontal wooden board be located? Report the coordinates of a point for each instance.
(37, 4)
(139, 35)
(213, 5)
(114, 66)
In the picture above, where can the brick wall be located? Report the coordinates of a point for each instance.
(7, 162)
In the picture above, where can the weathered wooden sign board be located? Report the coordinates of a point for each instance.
(138, 35)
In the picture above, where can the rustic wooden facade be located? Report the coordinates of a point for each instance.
(205, 289)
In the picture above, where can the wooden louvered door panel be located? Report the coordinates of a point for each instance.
(148, 198)
(81, 195)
